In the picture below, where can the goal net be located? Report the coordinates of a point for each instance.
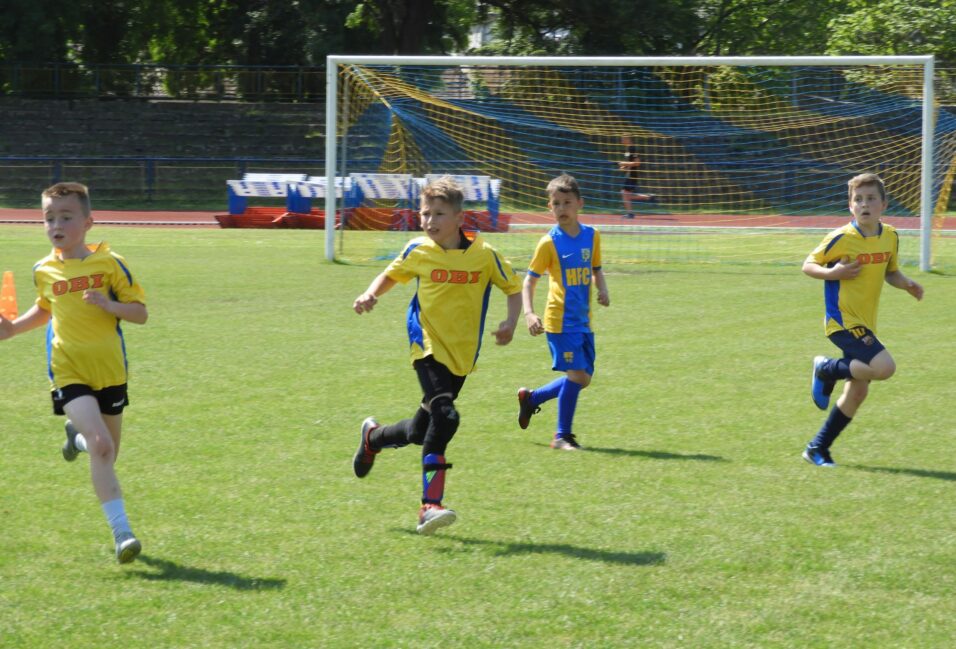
(732, 161)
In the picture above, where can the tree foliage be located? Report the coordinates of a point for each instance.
(303, 32)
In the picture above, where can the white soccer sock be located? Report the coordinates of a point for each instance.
(80, 442)
(116, 516)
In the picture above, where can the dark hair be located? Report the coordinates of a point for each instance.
(564, 183)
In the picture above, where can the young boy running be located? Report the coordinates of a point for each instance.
(571, 255)
(853, 261)
(84, 292)
(454, 271)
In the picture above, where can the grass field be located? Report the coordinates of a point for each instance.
(691, 521)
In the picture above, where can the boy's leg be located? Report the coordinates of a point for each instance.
(374, 437)
(564, 438)
(818, 450)
(441, 388)
(102, 434)
(529, 401)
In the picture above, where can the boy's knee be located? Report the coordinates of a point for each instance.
(444, 422)
(580, 377)
(100, 445)
(883, 370)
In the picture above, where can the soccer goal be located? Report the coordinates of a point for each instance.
(733, 160)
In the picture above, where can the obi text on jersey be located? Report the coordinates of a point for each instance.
(447, 314)
(570, 263)
(84, 342)
(854, 302)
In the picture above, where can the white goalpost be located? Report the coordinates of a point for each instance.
(597, 114)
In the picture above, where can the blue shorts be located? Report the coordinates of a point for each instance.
(857, 343)
(572, 351)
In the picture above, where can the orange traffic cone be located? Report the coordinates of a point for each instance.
(8, 296)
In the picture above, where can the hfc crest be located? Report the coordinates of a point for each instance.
(586, 254)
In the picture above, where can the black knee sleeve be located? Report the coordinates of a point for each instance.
(416, 432)
(444, 423)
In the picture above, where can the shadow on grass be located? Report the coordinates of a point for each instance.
(655, 455)
(919, 473)
(505, 548)
(171, 571)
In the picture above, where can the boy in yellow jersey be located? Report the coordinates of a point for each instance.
(571, 255)
(454, 272)
(83, 292)
(853, 261)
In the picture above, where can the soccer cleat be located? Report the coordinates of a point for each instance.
(127, 547)
(565, 443)
(69, 446)
(820, 388)
(432, 517)
(629, 215)
(365, 456)
(652, 198)
(818, 456)
(525, 407)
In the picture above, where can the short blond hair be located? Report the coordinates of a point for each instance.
(446, 189)
(866, 179)
(564, 183)
(62, 190)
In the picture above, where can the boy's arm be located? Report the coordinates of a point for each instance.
(842, 270)
(134, 312)
(535, 327)
(603, 298)
(35, 317)
(367, 300)
(901, 281)
(506, 329)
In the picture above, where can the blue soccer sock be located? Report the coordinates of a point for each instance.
(567, 403)
(547, 392)
(835, 369)
(831, 428)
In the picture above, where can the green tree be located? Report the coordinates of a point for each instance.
(890, 27)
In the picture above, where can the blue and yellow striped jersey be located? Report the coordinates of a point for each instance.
(854, 302)
(570, 263)
(85, 343)
(446, 316)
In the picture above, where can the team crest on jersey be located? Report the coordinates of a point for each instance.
(586, 254)
(568, 357)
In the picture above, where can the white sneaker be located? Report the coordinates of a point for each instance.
(127, 547)
(434, 517)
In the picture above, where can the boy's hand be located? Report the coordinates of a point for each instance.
(845, 270)
(364, 302)
(604, 299)
(535, 328)
(914, 289)
(504, 333)
(97, 299)
(6, 328)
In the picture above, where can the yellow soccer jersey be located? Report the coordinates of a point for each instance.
(570, 263)
(84, 342)
(854, 302)
(446, 316)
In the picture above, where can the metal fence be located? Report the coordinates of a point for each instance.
(157, 81)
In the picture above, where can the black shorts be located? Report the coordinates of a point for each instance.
(630, 185)
(112, 400)
(857, 343)
(437, 379)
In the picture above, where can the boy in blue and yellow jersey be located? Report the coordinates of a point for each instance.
(853, 261)
(571, 255)
(83, 292)
(454, 271)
